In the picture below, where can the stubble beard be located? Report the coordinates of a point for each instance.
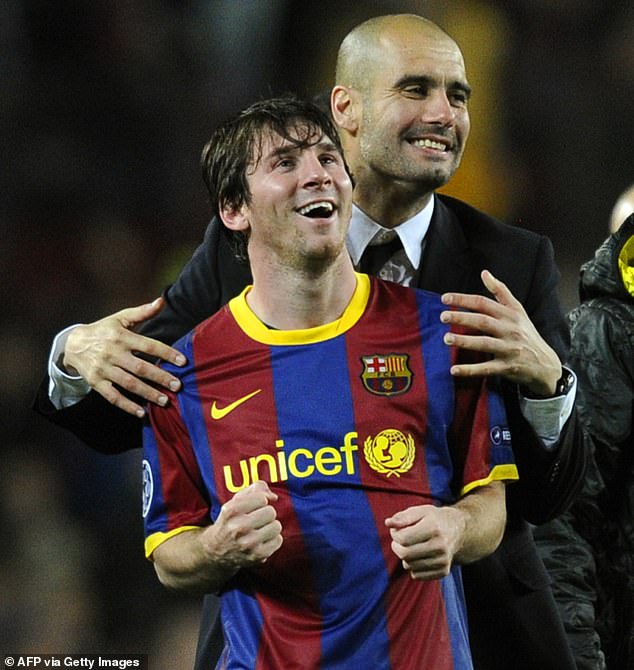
(394, 166)
(419, 178)
(314, 259)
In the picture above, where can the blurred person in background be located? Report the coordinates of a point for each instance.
(623, 207)
(589, 550)
(404, 123)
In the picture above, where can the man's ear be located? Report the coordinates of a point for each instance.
(344, 108)
(234, 217)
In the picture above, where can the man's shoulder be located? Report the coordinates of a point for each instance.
(214, 325)
(212, 330)
(391, 294)
(475, 223)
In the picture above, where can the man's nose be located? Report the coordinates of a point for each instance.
(437, 108)
(314, 172)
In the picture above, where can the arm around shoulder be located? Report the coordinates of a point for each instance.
(550, 478)
(195, 295)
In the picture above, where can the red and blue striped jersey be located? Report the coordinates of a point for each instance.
(348, 423)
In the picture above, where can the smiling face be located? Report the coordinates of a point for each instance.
(408, 96)
(299, 205)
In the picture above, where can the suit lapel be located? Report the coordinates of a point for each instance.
(445, 264)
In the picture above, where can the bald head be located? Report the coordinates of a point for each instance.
(400, 103)
(362, 50)
(623, 207)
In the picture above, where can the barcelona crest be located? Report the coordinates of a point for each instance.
(386, 374)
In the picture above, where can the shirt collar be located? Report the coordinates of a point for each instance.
(411, 233)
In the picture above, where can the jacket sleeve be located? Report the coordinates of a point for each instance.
(587, 550)
(203, 286)
(549, 479)
(196, 294)
(602, 356)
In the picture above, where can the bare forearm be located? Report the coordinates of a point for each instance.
(183, 563)
(429, 539)
(245, 534)
(483, 513)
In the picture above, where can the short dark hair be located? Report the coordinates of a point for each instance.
(236, 145)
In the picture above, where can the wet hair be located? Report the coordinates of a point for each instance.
(235, 149)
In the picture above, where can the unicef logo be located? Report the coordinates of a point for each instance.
(390, 452)
(148, 487)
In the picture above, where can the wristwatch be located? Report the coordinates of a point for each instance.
(563, 386)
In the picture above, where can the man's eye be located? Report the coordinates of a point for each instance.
(459, 99)
(285, 163)
(415, 91)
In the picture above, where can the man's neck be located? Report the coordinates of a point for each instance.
(288, 299)
(390, 203)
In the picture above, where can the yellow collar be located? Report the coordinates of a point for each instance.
(259, 332)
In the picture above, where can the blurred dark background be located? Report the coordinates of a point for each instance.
(104, 108)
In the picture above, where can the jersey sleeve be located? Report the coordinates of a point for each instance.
(173, 498)
(480, 436)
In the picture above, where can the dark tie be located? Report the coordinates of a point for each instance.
(376, 256)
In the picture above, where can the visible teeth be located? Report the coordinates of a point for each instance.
(328, 206)
(429, 144)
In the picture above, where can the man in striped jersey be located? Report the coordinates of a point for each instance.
(321, 468)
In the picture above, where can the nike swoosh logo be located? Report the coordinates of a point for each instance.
(221, 412)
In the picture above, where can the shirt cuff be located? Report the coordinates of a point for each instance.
(64, 390)
(547, 416)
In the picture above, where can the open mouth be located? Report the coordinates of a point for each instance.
(317, 210)
(430, 144)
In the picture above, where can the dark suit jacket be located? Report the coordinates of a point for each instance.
(513, 621)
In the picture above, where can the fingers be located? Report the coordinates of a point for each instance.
(427, 560)
(105, 353)
(116, 398)
(121, 366)
(498, 289)
(153, 348)
(413, 526)
(105, 380)
(422, 542)
(428, 568)
(475, 323)
(112, 362)
(500, 329)
(502, 345)
(248, 524)
(407, 517)
(502, 297)
(250, 509)
(253, 496)
(131, 317)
